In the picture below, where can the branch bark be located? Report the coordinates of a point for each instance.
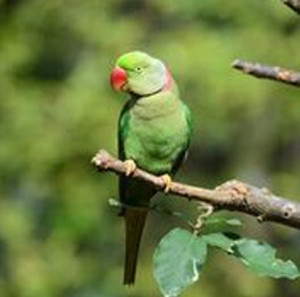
(232, 195)
(287, 76)
(293, 4)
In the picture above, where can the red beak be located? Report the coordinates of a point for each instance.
(118, 78)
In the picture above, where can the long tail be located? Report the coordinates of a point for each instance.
(134, 224)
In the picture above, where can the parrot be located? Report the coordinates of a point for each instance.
(154, 133)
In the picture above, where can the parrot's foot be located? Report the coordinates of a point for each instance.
(166, 178)
(130, 167)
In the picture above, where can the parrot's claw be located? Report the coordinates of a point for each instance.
(130, 167)
(167, 180)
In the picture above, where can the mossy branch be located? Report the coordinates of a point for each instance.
(232, 195)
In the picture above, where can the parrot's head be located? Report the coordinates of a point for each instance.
(138, 73)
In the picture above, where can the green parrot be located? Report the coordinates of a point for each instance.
(154, 135)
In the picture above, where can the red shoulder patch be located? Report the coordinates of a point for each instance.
(169, 80)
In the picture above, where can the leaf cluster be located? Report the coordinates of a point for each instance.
(181, 255)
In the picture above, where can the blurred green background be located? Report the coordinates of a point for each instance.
(58, 236)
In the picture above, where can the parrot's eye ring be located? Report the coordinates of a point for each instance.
(138, 69)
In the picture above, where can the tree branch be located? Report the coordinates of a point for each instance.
(293, 4)
(232, 195)
(287, 76)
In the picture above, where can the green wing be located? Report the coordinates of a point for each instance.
(189, 119)
(135, 193)
(132, 192)
(122, 133)
(123, 128)
(182, 155)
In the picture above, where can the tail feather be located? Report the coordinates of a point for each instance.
(134, 224)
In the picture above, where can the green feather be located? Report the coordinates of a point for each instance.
(155, 129)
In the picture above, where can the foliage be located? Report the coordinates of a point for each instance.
(180, 257)
(58, 237)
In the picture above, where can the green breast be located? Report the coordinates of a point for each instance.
(157, 132)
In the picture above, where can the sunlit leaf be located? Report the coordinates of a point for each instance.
(220, 241)
(224, 221)
(234, 222)
(178, 260)
(261, 258)
(220, 224)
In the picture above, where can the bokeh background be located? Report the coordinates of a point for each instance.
(58, 235)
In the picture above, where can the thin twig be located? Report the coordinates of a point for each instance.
(293, 4)
(287, 76)
(206, 210)
(232, 195)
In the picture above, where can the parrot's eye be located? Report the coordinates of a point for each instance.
(138, 69)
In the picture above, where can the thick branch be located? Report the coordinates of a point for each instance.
(287, 76)
(233, 195)
(293, 4)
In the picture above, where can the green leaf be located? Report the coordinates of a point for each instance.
(178, 260)
(261, 258)
(224, 221)
(219, 224)
(219, 240)
(234, 222)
